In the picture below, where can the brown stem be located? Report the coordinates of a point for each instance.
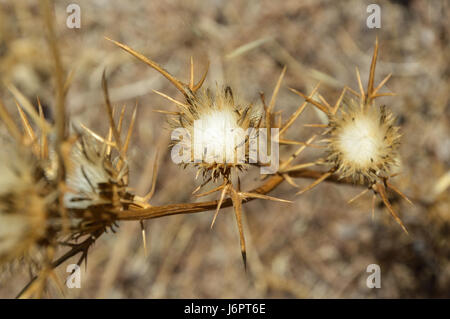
(189, 208)
(82, 247)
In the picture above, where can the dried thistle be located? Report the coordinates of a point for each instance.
(29, 198)
(92, 179)
(45, 212)
(363, 143)
(223, 126)
(97, 183)
(218, 113)
(87, 175)
(363, 139)
(55, 187)
(42, 212)
(24, 203)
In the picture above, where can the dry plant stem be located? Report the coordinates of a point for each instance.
(9, 122)
(189, 208)
(82, 247)
(59, 76)
(37, 285)
(60, 122)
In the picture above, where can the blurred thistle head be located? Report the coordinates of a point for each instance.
(363, 142)
(94, 179)
(23, 203)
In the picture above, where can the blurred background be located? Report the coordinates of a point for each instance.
(317, 247)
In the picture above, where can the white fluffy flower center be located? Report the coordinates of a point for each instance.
(83, 180)
(361, 140)
(218, 138)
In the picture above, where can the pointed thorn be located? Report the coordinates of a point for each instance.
(276, 90)
(317, 182)
(244, 259)
(321, 107)
(381, 190)
(222, 196)
(358, 196)
(361, 89)
(191, 79)
(200, 83)
(177, 83)
(372, 69)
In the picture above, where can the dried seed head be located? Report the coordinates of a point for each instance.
(93, 179)
(217, 113)
(23, 209)
(364, 142)
(217, 128)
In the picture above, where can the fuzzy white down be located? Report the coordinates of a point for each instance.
(218, 137)
(83, 180)
(361, 140)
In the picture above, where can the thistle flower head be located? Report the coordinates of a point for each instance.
(217, 127)
(23, 209)
(92, 178)
(218, 114)
(364, 142)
